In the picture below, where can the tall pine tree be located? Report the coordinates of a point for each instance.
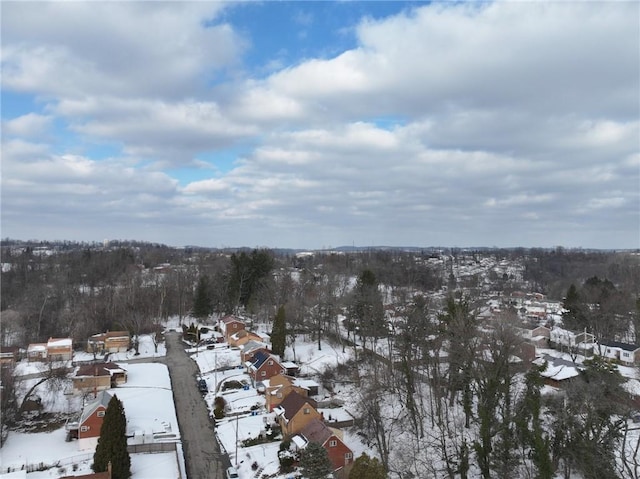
(315, 463)
(202, 301)
(112, 444)
(279, 332)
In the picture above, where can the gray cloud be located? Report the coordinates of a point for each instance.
(510, 124)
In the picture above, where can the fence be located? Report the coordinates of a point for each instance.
(152, 447)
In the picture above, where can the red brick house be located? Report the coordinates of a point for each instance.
(249, 350)
(87, 428)
(265, 366)
(316, 431)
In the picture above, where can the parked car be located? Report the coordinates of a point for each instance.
(202, 386)
(232, 473)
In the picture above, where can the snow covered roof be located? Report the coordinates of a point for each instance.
(37, 347)
(59, 342)
(289, 365)
(299, 441)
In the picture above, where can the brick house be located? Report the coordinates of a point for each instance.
(230, 325)
(87, 428)
(98, 377)
(60, 349)
(340, 455)
(249, 350)
(295, 412)
(109, 342)
(37, 352)
(9, 356)
(265, 366)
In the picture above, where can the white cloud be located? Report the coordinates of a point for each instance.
(27, 126)
(123, 48)
(446, 124)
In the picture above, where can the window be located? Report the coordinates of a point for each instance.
(263, 373)
(307, 410)
(348, 455)
(270, 363)
(282, 371)
(333, 443)
(84, 428)
(626, 355)
(100, 413)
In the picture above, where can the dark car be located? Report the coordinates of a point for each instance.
(202, 386)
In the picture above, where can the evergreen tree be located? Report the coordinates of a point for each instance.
(279, 332)
(202, 301)
(112, 444)
(573, 316)
(315, 463)
(366, 467)
(366, 309)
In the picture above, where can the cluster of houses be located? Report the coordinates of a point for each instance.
(286, 395)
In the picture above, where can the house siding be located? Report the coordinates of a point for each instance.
(299, 420)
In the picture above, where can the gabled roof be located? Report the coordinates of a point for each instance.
(102, 399)
(316, 431)
(98, 369)
(623, 346)
(291, 404)
(260, 358)
(252, 345)
(230, 318)
(110, 334)
(59, 343)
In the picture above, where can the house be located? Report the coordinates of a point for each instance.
(249, 350)
(623, 352)
(330, 439)
(265, 366)
(243, 336)
(538, 335)
(559, 371)
(295, 412)
(230, 325)
(583, 341)
(278, 387)
(9, 356)
(109, 342)
(37, 352)
(98, 377)
(87, 428)
(60, 349)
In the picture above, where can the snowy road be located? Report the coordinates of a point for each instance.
(202, 453)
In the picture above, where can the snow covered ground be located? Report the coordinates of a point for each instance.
(148, 404)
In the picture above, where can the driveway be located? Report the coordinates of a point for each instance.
(202, 453)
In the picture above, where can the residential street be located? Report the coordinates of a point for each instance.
(202, 453)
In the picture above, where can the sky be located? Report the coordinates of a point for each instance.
(320, 124)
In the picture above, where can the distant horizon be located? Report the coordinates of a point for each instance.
(328, 248)
(322, 123)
